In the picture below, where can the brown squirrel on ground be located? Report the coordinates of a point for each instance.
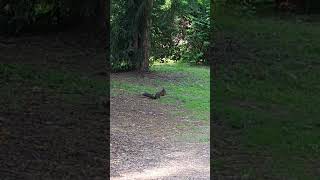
(157, 95)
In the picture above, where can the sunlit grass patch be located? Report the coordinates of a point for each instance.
(190, 92)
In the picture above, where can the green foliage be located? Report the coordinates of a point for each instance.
(197, 43)
(164, 28)
(180, 31)
(120, 35)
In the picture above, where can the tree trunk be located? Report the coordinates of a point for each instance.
(140, 37)
(145, 39)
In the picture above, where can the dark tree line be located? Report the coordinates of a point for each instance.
(44, 15)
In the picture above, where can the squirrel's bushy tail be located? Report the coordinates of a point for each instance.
(157, 95)
(148, 95)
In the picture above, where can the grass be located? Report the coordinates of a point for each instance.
(273, 98)
(191, 91)
(187, 87)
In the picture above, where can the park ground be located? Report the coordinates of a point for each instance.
(166, 138)
(267, 94)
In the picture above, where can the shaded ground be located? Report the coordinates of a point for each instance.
(49, 130)
(144, 143)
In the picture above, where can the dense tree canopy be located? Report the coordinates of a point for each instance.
(175, 29)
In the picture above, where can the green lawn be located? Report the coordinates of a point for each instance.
(186, 86)
(273, 96)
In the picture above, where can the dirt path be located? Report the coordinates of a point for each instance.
(144, 143)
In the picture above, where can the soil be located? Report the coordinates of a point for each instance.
(48, 137)
(144, 143)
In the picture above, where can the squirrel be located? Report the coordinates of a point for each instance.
(157, 95)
